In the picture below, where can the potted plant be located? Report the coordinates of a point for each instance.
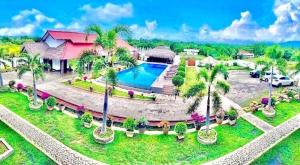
(109, 121)
(232, 115)
(165, 127)
(62, 107)
(197, 119)
(220, 114)
(142, 124)
(129, 124)
(20, 87)
(180, 129)
(30, 92)
(153, 97)
(51, 102)
(11, 84)
(87, 119)
(268, 111)
(131, 94)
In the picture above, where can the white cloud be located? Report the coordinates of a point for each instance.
(108, 13)
(146, 31)
(26, 22)
(286, 27)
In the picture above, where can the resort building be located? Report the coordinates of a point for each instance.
(244, 54)
(192, 52)
(57, 48)
(161, 54)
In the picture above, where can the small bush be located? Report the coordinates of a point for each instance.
(232, 114)
(181, 73)
(20, 86)
(131, 94)
(178, 80)
(180, 128)
(87, 117)
(85, 78)
(142, 122)
(129, 124)
(11, 83)
(51, 101)
(29, 91)
(181, 68)
(234, 64)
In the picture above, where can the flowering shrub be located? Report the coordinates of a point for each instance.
(265, 101)
(44, 96)
(85, 78)
(197, 118)
(20, 86)
(131, 94)
(80, 107)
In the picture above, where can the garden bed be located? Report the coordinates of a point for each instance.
(5, 149)
(141, 149)
(84, 85)
(284, 111)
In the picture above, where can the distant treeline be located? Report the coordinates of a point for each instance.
(17, 40)
(219, 51)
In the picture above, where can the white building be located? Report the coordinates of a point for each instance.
(191, 51)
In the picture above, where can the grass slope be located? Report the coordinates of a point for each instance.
(286, 152)
(24, 152)
(142, 149)
(190, 79)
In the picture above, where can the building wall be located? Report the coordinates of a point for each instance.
(52, 42)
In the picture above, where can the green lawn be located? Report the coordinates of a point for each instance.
(286, 152)
(190, 79)
(142, 149)
(100, 89)
(284, 111)
(24, 152)
(237, 68)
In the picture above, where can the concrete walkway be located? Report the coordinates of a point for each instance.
(264, 126)
(254, 149)
(54, 149)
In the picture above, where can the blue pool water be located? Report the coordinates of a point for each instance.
(141, 76)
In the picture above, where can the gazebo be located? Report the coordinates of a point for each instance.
(160, 54)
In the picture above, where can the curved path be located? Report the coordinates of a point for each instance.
(54, 149)
(257, 147)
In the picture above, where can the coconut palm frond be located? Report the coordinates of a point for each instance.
(193, 107)
(223, 86)
(195, 89)
(123, 30)
(203, 73)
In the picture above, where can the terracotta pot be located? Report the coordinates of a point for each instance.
(50, 108)
(219, 120)
(165, 131)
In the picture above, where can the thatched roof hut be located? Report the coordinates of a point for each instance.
(209, 60)
(160, 54)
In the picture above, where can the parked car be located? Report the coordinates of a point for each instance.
(255, 73)
(280, 80)
(267, 76)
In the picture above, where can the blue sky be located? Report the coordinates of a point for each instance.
(189, 20)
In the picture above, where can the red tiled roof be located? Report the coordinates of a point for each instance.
(73, 51)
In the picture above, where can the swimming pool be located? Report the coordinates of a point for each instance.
(141, 76)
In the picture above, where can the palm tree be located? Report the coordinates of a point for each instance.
(2, 64)
(207, 78)
(108, 41)
(31, 63)
(273, 58)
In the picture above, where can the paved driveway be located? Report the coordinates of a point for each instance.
(243, 87)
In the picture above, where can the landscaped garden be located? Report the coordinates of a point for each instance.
(286, 152)
(24, 152)
(89, 86)
(156, 149)
(284, 111)
(190, 79)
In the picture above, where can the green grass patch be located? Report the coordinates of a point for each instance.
(286, 152)
(284, 111)
(142, 149)
(24, 152)
(85, 85)
(238, 68)
(190, 79)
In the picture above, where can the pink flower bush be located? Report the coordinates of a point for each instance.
(85, 78)
(197, 118)
(80, 107)
(131, 94)
(44, 96)
(264, 101)
(20, 86)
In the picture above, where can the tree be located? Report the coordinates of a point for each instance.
(273, 58)
(108, 41)
(3, 58)
(31, 63)
(206, 80)
(86, 59)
